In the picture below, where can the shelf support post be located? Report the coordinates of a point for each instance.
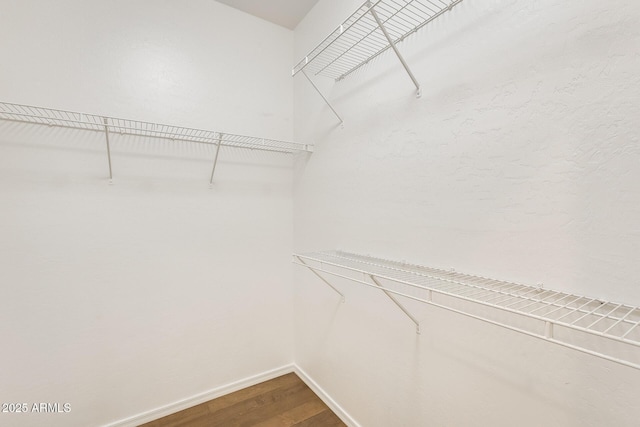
(548, 330)
(400, 306)
(395, 49)
(321, 278)
(106, 134)
(323, 97)
(215, 159)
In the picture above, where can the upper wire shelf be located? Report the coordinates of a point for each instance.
(361, 37)
(84, 121)
(605, 329)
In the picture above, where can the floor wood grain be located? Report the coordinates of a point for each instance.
(285, 401)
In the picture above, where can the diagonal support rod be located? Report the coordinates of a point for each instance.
(321, 278)
(323, 97)
(215, 159)
(106, 133)
(404, 310)
(395, 49)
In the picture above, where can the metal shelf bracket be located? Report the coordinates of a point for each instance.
(106, 134)
(400, 306)
(392, 44)
(215, 160)
(343, 299)
(323, 97)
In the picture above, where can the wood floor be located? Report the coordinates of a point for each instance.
(283, 401)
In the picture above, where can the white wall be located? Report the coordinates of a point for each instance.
(519, 162)
(120, 299)
(195, 64)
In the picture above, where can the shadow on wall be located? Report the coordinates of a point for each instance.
(529, 366)
(426, 49)
(388, 65)
(148, 153)
(90, 140)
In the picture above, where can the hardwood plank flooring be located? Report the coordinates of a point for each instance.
(285, 401)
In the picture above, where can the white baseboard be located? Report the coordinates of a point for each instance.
(182, 404)
(328, 400)
(197, 399)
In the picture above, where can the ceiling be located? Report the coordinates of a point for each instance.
(287, 13)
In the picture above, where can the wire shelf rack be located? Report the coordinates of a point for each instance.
(604, 329)
(361, 37)
(84, 121)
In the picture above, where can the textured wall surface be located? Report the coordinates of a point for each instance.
(519, 162)
(198, 64)
(121, 299)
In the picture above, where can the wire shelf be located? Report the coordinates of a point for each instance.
(605, 329)
(360, 38)
(84, 121)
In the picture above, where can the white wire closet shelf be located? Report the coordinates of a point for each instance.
(111, 125)
(372, 29)
(604, 329)
(359, 39)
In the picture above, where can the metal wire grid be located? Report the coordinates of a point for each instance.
(359, 39)
(615, 321)
(85, 121)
